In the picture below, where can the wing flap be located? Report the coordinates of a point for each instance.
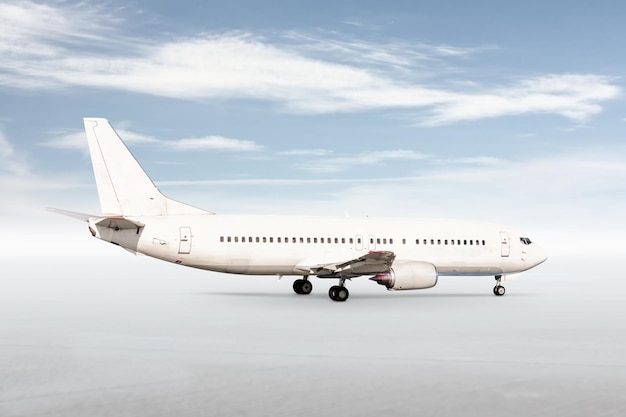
(371, 263)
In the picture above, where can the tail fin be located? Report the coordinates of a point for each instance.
(123, 186)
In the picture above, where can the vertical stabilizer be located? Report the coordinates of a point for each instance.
(123, 186)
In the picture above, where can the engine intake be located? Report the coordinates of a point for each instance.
(408, 275)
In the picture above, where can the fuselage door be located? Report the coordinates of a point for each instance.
(185, 240)
(505, 244)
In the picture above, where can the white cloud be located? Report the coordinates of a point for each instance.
(54, 46)
(214, 143)
(10, 162)
(341, 163)
(307, 152)
(78, 141)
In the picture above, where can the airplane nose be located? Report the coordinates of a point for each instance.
(539, 255)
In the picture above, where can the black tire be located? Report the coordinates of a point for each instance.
(297, 286)
(499, 290)
(332, 292)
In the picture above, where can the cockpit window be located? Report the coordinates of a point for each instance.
(525, 240)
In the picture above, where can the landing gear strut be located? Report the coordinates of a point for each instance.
(303, 286)
(498, 289)
(339, 292)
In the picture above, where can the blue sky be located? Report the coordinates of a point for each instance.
(489, 110)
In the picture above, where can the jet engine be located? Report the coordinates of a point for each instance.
(408, 275)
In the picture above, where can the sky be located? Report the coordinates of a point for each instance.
(505, 112)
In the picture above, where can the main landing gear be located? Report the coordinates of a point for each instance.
(339, 292)
(336, 293)
(498, 289)
(303, 286)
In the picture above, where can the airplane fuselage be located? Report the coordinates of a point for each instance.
(289, 245)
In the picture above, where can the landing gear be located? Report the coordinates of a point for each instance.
(498, 289)
(303, 286)
(338, 293)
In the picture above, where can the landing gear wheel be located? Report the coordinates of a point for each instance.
(302, 286)
(306, 287)
(332, 292)
(338, 293)
(499, 290)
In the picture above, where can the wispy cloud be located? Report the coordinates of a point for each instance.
(307, 152)
(10, 162)
(342, 163)
(214, 143)
(77, 140)
(55, 46)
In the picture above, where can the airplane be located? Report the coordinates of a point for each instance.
(398, 254)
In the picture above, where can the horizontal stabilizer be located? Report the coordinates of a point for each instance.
(80, 216)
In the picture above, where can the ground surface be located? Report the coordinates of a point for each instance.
(130, 336)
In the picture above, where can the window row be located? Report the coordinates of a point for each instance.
(343, 240)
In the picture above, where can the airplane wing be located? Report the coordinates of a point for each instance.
(371, 263)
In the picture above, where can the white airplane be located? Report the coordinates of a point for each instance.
(399, 254)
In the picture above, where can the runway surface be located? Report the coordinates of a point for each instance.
(131, 336)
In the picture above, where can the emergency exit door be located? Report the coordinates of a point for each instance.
(505, 244)
(185, 240)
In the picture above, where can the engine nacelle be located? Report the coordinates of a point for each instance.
(408, 275)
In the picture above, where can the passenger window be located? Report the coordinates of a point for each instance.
(483, 243)
(391, 241)
(404, 241)
(314, 240)
(343, 240)
(417, 241)
(445, 242)
(432, 241)
(308, 240)
(278, 239)
(221, 238)
(465, 242)
(228, 239)
(425, 241)
(439, 241)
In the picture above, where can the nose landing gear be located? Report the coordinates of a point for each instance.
(498, 289)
